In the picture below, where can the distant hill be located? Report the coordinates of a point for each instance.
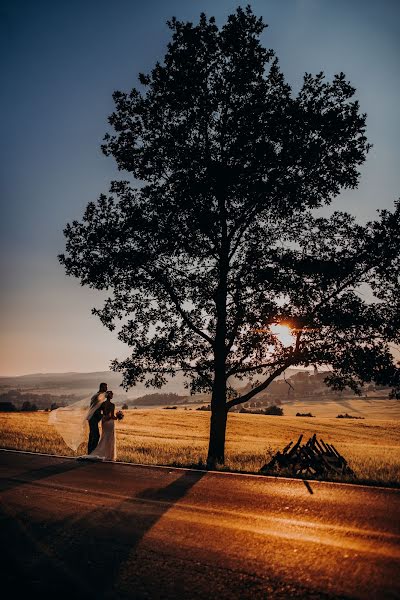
(82, 384)
(70, 380)
(85, 384)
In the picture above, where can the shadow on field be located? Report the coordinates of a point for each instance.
(84, 554)
(348, 406)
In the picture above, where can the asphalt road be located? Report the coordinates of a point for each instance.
(82, 530)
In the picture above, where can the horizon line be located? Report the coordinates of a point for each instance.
(42, 373)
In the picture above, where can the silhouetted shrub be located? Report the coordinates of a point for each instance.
(270, 410)
(28, 407)
(347, 416)
(273, 410)
(304, 415)
(7, 407)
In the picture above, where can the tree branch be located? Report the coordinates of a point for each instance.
(234, 370)
(204, 376)
(260, 387)
(174, 297)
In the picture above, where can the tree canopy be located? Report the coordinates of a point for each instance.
(217, 236)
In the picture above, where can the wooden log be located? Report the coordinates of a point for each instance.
(339, 455)
(286, 448)
(311, 441)
(318, 447)
(297, 444)
(330, 449)
(311, 458)
(324, 446)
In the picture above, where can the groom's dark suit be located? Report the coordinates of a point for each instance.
(94, 433)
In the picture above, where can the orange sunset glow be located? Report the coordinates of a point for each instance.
(283, 333)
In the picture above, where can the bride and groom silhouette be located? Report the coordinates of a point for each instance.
(71, 423)
(102, 447)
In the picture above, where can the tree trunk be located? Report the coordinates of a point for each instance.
(216, 447)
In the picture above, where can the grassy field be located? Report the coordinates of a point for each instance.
(371, 407)
(179, 438)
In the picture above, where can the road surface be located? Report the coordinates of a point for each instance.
(107, 530)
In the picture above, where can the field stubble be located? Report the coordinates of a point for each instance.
(180, 438)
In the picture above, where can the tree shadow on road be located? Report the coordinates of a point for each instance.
(82, 555)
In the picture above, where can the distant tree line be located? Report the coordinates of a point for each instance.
(10, 407)
(27, 401)
(157, 399)
(270, 410)
(302, 385)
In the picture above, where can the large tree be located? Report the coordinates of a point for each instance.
(216, 236)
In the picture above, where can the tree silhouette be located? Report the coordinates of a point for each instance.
(28, 407)
(216, 236)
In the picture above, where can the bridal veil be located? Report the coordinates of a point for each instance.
(71, 421)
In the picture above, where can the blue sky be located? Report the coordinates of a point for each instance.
(61, 60)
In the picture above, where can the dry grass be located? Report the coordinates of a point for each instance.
(370, 408)
(180, 438)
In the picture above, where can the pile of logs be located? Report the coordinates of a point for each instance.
(314, 458)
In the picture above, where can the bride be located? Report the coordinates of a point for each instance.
(107, 446)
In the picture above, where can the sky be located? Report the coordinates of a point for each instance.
(60, 62)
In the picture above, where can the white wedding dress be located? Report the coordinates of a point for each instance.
(106, 449)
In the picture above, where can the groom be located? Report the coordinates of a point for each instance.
(94, 433)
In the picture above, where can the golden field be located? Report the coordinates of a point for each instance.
(180, 437)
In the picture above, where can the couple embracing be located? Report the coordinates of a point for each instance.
(71, 423)
(101, 408)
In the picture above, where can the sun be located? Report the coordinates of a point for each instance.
(283, 333)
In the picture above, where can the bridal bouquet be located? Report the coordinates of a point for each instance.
(120, 415)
